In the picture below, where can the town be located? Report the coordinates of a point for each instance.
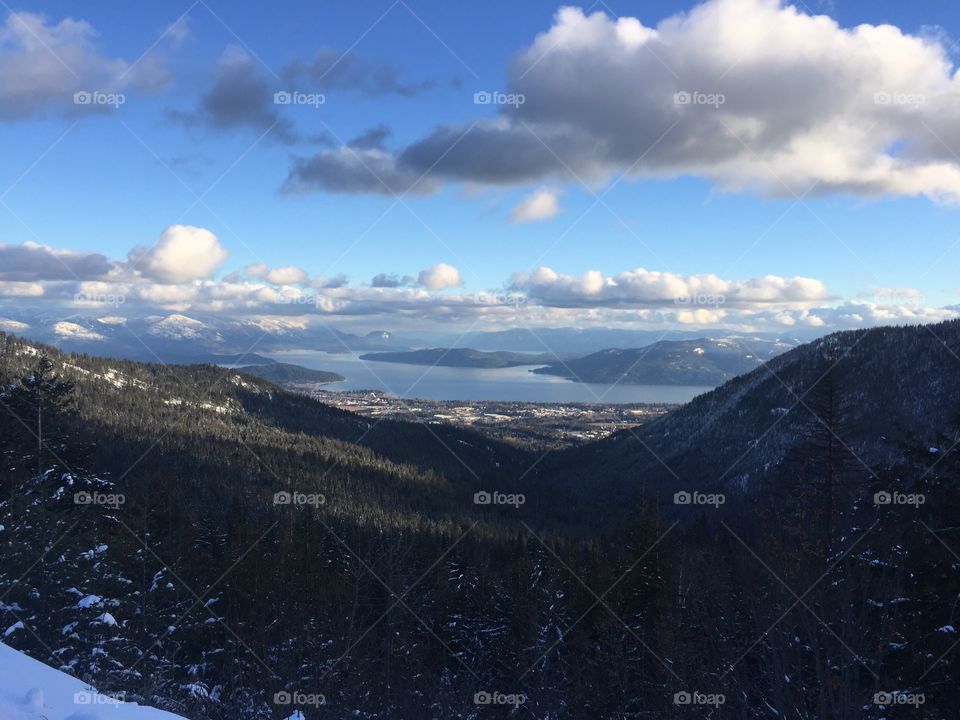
(523, 423)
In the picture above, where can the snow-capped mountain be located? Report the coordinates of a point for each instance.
(178, 336)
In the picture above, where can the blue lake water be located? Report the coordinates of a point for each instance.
(448, 383)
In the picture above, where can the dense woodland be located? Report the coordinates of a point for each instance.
(398, 597)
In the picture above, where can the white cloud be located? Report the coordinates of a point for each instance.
(542, 204)
(289, 275)
(440, 277)
(183, 253)
(21, 289)
(640, 287)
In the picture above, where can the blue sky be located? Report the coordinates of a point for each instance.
(113, 181)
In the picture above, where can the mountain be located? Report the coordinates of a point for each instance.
(462, 357)
(704, 361)
(286, 373)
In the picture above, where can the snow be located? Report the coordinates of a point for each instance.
(13, 628)
(90, 601)
(177, 327)
(72, 330)
(30, 690)
(12, 326)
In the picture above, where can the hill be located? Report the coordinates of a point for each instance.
(703, 361)
(462, 357)
(289, 374)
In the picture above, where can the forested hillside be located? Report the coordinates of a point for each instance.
(202, 540)
(704, 361)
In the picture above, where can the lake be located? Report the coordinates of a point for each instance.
(450, 383)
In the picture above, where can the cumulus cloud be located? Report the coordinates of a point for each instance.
(43, 63)
(32, 261)
(747, 93)
(183, 253)
(288, 275)
(541, 204)
(440, 277)
(640, 288)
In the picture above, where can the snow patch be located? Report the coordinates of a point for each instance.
(30, 690)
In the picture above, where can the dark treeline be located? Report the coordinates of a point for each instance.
(184, 585)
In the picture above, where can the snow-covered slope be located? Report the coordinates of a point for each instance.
(30, 690)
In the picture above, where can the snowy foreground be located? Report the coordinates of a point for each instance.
(30, 690)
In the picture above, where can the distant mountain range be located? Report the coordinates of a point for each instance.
(190, 337)
(179, 338)
(462, 357)
(703, 361)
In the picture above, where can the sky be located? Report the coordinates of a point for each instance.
(734, 164)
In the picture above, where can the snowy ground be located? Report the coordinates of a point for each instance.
(30, 690)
